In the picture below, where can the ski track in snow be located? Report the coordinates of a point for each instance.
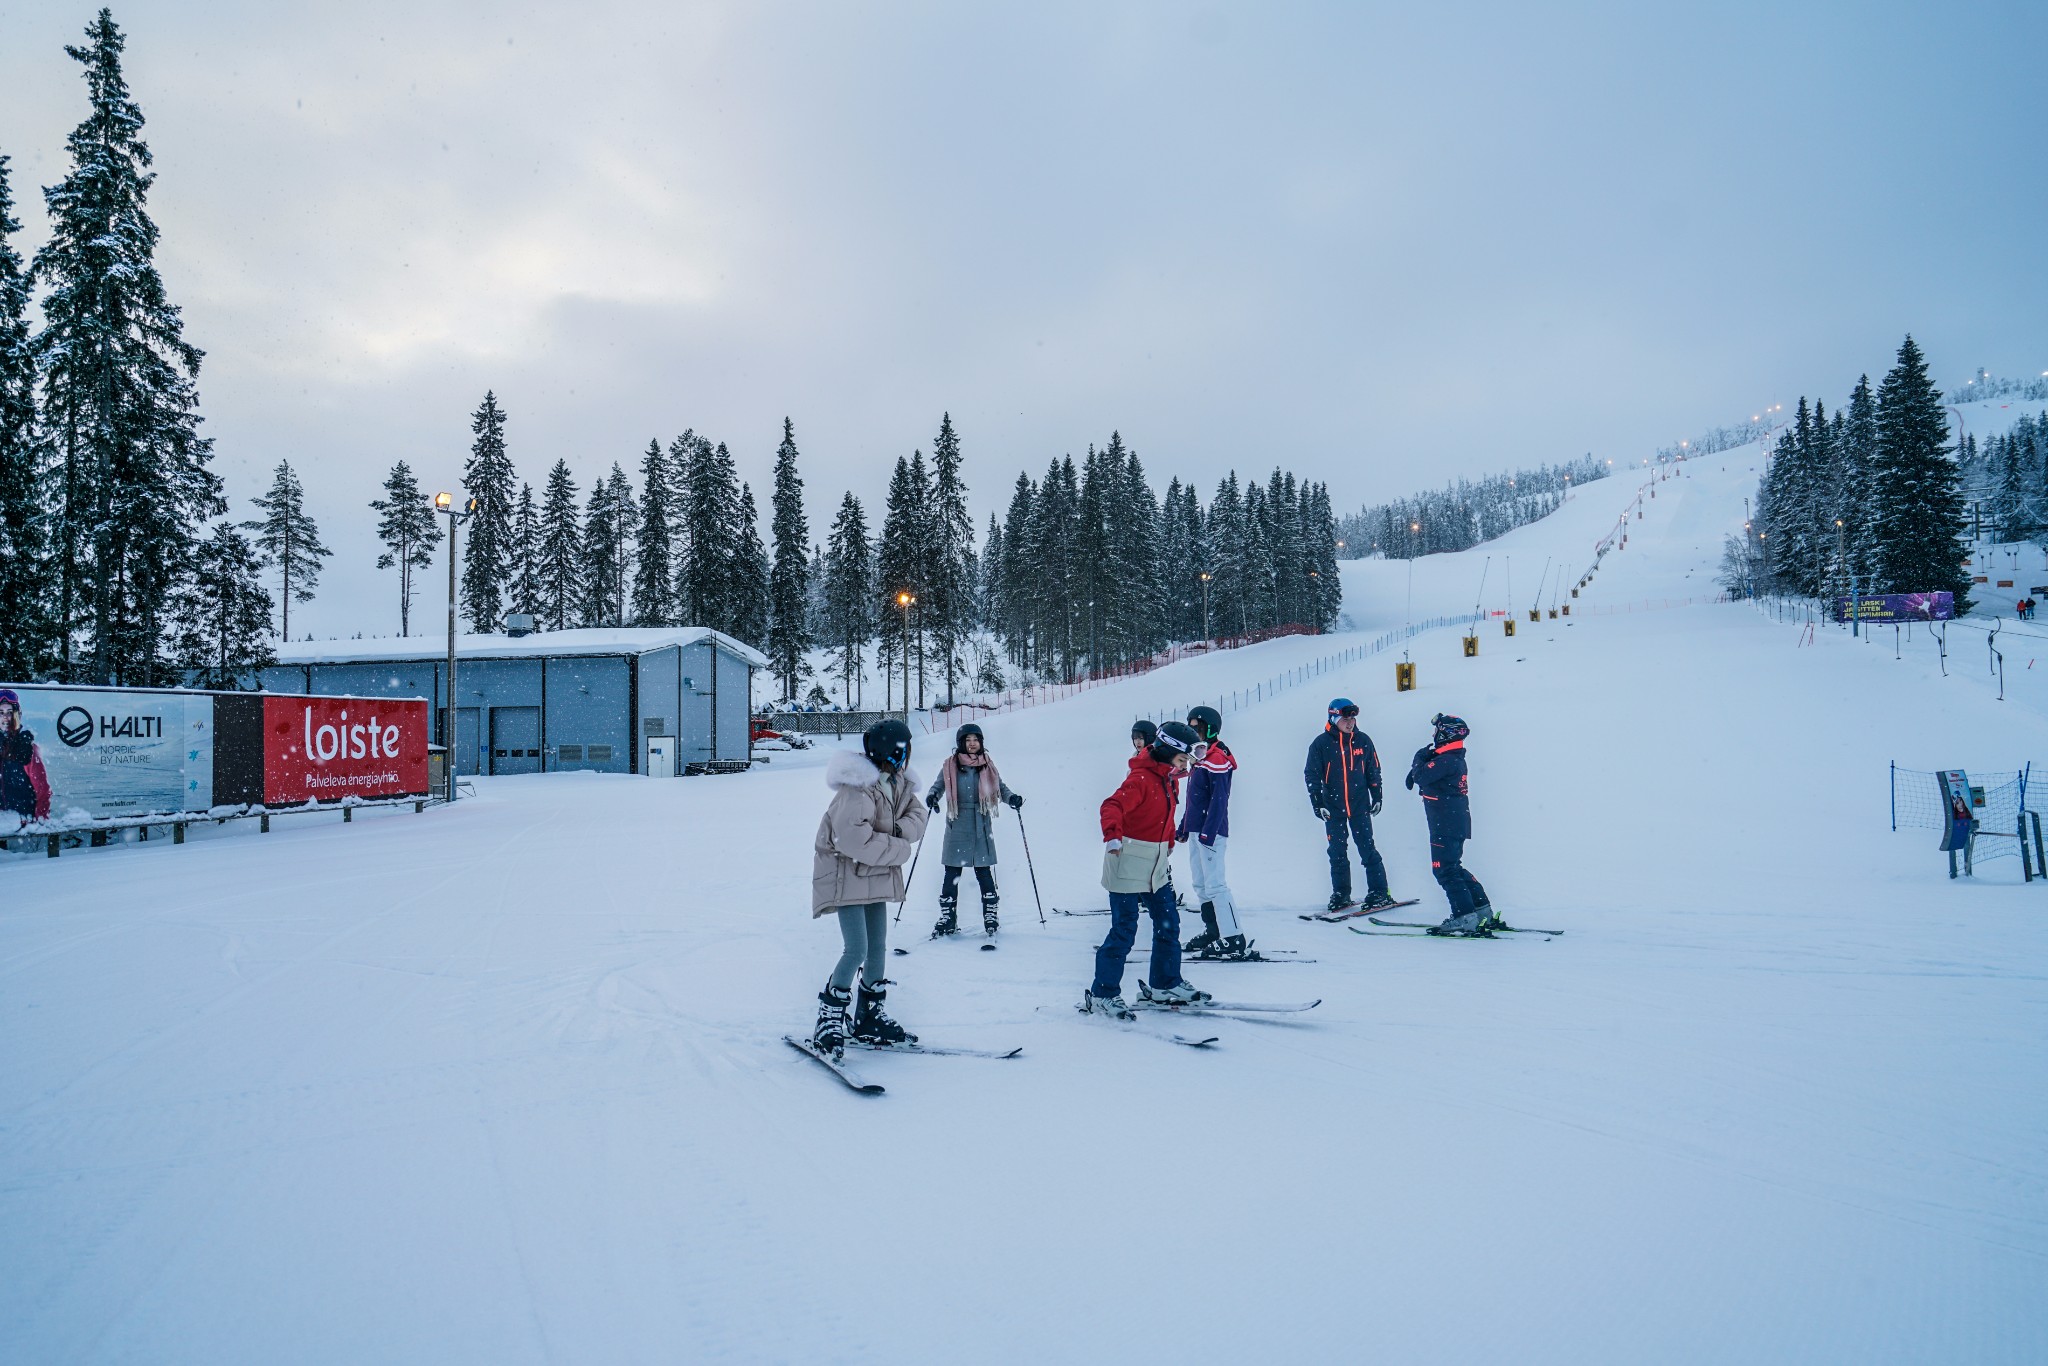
(505, 1082)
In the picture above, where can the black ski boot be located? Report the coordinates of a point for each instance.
(1377, 901)
(1236, 948)
(871, 1023)
(989, 921)
(1338, 901)
(830, 1035)
(1208, 938)
(949, 917)
(1466, 926)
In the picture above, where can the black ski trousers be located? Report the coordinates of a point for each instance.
(1446, 861)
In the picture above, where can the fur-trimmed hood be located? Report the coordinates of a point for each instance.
(851, 768)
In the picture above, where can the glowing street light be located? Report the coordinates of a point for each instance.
(906, 601)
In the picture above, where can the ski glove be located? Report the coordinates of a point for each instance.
(1111, 846)
(932, 803)
(1016, 802)
(1374, 809)
(1323, 814)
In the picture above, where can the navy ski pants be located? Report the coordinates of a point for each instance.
(1446, 861)
(1123, 933)
(1360, 827)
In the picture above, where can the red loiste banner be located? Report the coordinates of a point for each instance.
(323, 749)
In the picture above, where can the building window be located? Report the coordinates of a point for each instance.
(569, 754)
(654, 725)
(600, 754)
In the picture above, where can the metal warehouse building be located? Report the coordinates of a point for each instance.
(609, 701)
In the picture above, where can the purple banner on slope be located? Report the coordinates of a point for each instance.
(1885, 608)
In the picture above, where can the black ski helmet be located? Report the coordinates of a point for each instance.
(960, 738)
(1207, 721)
(1175, 738)
(887, 745)
(1145, 731)
(1448, 728)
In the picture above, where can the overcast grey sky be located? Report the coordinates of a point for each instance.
(1382, 245)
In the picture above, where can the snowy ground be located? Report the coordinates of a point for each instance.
(503, 1083)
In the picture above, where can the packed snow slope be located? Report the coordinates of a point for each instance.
(504, 1082)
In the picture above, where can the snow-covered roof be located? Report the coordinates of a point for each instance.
(600, 640)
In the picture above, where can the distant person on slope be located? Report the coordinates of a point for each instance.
(1343, 777)
(1137, 872)
(1143, 734)
(972, 789)
(1205, 829)
(868, 833)
(1438, 773)
(24, 787)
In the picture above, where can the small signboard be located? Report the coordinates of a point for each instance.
(1956, 800)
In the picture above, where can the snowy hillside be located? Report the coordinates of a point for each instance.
(504, 1082)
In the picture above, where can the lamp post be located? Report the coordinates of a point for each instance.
(444, 503)
(906, 601)
(1206, 637)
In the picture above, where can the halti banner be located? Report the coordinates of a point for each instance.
(324, 748)
(1885, 609)
(70, 756)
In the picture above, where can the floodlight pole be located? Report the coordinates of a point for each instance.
(444, 503)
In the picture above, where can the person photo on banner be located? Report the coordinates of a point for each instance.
(24, 787)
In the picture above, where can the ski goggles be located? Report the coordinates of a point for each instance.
(1194, 751)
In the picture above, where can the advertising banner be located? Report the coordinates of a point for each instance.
(321, 749)
(1956, 801)
(71, 756)
(1883, 609)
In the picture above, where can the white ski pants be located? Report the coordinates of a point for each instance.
(1206, 864)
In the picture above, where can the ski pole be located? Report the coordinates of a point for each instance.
(1028, 865)
(914, 857)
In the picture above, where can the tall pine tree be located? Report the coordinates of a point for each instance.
(289, 541)
(487, 552)
(789, 635)
(221, 621)
(407, 526)
(849, 595)
(25, 644)
(749, 568)
(1919, 488)
(560, 555)
(949, 534)
(523, 592)
(654, 594)
(119, 402)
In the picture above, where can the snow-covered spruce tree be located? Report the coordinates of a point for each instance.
(288, 541)
(487, 540)
(601, 571)
(849, 591)
(789, 582)
(1059, 608)
(1140, 624)
(1919, 490)
(654, 592)
(1257, 596)
(750, 569)
(1228, 608)
(988, 576)
(900, 565)
(950, 532)
(119, 405)
(1094, 558)
(2011, 507)
(407, 526)
(1179, 575)
(522, 593)
(707, 571)
(24, 586)
(561, 553)
(221, 617)
(1012, 590)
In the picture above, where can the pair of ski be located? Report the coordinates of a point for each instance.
(1410, 929)
(836, 1063)
(1351, 910)
(1251, 956)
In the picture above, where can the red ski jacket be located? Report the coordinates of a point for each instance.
(1142, 809)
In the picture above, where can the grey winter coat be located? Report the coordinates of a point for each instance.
(971, 835)
(867, 835)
